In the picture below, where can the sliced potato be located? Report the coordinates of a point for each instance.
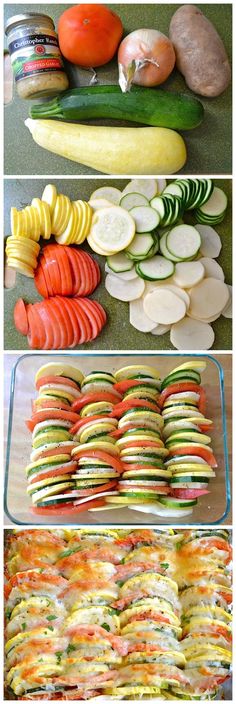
(124, 290)
(227, 312)
(208, 298)
(192, 335)
(164, 306)
(188, 274)
(212, 268)
(210, 241)
(138, 318)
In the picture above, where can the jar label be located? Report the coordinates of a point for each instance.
(34, 54)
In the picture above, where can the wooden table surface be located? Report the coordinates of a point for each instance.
(224, 359)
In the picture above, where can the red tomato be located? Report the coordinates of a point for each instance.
(61, 509)
(189, 493)
(89, 34)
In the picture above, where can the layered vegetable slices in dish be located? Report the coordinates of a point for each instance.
(129, 439)
(117, 614)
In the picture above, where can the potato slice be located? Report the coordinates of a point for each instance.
(188, 274)
(192, 335)
(181, 293)
(160, 329)
(164, 306)
(124, 290)
(208, 298)
(227, 312)
(210, 241)
(212, 268)
(138, 318)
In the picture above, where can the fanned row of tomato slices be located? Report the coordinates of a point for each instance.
(66, 271)
(117, 614)
(59, 322)
(66, 318)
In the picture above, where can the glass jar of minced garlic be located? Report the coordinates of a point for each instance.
(35, 55)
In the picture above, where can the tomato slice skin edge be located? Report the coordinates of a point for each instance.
(66, 508)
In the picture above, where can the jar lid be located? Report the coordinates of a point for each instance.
(22, 19)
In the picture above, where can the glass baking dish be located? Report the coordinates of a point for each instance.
(211, 509)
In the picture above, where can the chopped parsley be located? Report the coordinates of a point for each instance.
(165, 565)
(59, 656)
(106, 626)
(51, 617)
(70, 648)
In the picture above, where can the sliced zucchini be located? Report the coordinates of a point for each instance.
(119, 263)
(183, 241)
(141, 246)
(155, 269)
(146, 219)
(123, 275)
(146, 186)
(131, 200)
(164, 251)
(213, 210)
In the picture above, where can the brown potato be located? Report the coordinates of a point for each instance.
(200, 52)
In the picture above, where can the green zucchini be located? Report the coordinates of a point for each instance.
(154, 107)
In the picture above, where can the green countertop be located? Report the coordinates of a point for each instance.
(118, 334)
(209, 146)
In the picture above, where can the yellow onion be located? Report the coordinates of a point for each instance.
(146, 57)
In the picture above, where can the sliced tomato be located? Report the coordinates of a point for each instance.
(69, 302)
(83, 421)
(203, 452)
(51, 379)
(84, 282)
(95, 397)
(61, 509)
(51, 269)
(21, 317)
(56, 472)
(63, 320)
(114, 462)
(65, 271)
(66, 449)
(51, 414)
(179, 387)
(83, 321)
(189, 493)
(40, 281)
(75, 270)
(88, 309)
(119, 432)
(120, 409)
(123, 386)
(100, 311)
(54, 342)
(37, 334)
